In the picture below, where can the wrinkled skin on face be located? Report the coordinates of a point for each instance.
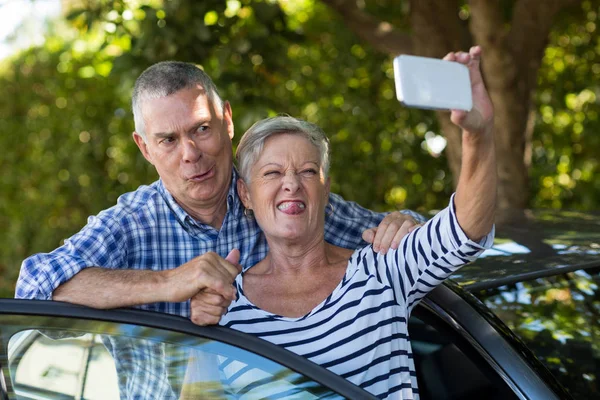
(188, 140)
(288, 190)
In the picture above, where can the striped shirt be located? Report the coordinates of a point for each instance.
(148, 230)
(360, 330)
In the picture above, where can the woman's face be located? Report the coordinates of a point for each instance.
(288, 191)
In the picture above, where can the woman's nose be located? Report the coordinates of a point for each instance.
(290, 182)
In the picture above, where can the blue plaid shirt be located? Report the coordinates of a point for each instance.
(148, 230)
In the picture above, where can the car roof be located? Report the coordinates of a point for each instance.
(534, 243)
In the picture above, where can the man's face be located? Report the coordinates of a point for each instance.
(188, 140)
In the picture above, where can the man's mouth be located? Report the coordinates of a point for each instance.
(292, 207)
(203, 176)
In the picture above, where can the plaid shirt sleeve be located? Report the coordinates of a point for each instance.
(345, 225)
(99, 243)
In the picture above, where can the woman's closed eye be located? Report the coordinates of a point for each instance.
(271, 174)
(309, 172)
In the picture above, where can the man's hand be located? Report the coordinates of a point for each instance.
(390, 231)
(208, 305)
(208, 271)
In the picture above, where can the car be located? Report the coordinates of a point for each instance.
(521, 322)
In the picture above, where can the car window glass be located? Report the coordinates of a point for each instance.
(52, 366)
(558, 318)
(85, 362)
(445, 369)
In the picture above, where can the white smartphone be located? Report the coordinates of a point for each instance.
(432, 83)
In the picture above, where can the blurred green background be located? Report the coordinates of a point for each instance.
(66, 123)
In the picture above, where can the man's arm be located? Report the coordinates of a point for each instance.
(100, 242)
(71, 273)
(112, 288)
(351, 226)
(475, 198)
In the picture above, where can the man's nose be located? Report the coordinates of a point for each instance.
(191, 151)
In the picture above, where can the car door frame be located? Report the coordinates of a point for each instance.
(182, 325)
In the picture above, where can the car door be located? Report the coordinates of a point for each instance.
(53, 350)
(462, 351)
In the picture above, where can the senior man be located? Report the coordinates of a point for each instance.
(164, 247)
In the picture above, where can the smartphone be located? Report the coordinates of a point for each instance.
(432, 83)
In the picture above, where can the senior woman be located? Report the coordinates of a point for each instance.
(348, 310)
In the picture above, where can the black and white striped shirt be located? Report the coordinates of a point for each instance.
(360, 330)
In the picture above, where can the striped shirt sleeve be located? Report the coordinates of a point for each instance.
(429, 255)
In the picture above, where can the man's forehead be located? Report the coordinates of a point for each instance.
(183, 109)
(189, 98)
(185, 95)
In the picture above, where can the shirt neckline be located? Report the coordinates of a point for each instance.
(351, 269)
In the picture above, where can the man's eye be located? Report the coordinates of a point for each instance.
(167, 140)
(202, 128)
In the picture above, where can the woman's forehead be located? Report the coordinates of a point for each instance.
(290, 146)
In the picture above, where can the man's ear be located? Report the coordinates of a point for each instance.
(141, 144)
(243, 193)
(228, 118)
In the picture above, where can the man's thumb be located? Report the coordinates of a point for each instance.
(234, 257)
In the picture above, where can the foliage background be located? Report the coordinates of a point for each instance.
(65, 120)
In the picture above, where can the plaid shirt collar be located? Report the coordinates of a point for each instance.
(188, 222)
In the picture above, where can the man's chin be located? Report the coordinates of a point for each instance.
(204, 192)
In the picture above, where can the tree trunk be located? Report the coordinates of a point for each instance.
(512, 54)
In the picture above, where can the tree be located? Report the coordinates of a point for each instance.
(513, 34)
(65, 119)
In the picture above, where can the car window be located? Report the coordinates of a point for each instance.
(69, 367)
(558, 318)
(447, 366)
(101, 360)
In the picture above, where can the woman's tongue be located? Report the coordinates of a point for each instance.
(291, 207)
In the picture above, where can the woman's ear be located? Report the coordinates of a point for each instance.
(327, 186)
(243, 193)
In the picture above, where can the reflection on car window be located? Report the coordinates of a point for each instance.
(55, 367)
(134, 362)
(559, 320)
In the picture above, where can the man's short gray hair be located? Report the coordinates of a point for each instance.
(253, 141)
(165, 78)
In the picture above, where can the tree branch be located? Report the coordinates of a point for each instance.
(379, 34)
(486, 22)
(490, 31)
(531, 24)
(436, 27)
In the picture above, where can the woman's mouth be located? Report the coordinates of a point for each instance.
(292, 207)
